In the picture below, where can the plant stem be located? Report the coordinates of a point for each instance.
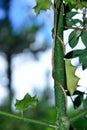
(28, 119)
(59, 68)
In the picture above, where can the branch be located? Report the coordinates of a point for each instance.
(28, 119)
(76, 28)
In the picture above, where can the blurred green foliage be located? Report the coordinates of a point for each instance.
(12, 44)
(80, 123)
(44, 111)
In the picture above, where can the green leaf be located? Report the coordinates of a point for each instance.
(73, 38)
(82, 54)
(78, 100)
(84, 38)
(71, 14)
(26, 102)
(77, 92)
(72, 79)
(71, 22)
(78, 33)
(41, 5)
(76, 53)
(71, 3)
(77, 4)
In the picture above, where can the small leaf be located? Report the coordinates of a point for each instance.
(41, 5)
(72, 79)
(76, 53)
(82, 54)
(25, 102)
(73, 39)
(69, 55)
(71, 22)
(84, 38)
(71, 14)
(78, 100)
(77, 21)
(77, 92)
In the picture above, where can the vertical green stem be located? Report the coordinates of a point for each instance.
(59, 68)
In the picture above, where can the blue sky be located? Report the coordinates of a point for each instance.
(22, 14)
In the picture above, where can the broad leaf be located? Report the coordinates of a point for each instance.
(41, 5)
(73, 38)
(84, 38)
(71, 78)
(26, 102)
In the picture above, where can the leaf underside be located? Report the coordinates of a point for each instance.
(72, 79)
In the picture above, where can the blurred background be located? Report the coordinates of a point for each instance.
(25, 61)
